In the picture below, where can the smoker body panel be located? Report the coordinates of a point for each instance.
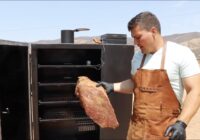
(117, 68)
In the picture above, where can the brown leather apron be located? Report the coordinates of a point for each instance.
(155, 104)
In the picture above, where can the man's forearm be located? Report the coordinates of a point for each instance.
(192, 100)
(190, 106)
(124, 87)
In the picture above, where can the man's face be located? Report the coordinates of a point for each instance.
(143, 39)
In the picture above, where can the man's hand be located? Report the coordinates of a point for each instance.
(177, 130)
(109, 87)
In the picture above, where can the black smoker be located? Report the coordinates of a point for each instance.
(37, 83)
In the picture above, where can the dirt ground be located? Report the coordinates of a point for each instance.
(193, 129)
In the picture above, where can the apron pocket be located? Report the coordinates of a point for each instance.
(148, 89)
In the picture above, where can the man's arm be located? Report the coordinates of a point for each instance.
(124, 87)
(192, 101)
(190, 107)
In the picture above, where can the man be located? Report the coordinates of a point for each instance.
(161, 70)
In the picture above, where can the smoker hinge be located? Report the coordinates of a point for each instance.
(31, 87)
(30, 68)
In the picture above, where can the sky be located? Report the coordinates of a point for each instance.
(29, 21)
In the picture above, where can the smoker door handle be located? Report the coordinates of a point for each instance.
(6, 111)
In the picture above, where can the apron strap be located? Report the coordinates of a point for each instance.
(142, 62)
(162, 65)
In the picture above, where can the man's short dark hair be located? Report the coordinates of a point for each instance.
(146, 20)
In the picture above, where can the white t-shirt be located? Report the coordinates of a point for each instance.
(180, 62)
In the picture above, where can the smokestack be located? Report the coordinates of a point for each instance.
(67, 36)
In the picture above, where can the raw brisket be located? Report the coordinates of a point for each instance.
(96, 103)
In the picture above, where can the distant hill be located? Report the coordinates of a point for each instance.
(184, 37)
(191, 40)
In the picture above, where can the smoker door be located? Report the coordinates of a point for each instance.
(57, 112)
(14, 105)
(116, 68)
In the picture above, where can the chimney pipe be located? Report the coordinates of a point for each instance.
(67, 36)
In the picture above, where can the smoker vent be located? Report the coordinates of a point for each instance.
(86, 128)
(87, 125)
